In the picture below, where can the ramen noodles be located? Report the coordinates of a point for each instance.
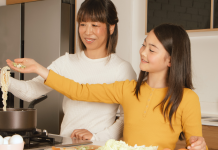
(5, 74)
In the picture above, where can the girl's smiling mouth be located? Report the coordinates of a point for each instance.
(144, 61)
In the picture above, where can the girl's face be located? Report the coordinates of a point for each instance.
(93, 35)
(154, 57)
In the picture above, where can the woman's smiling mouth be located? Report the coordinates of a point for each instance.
(89, 40)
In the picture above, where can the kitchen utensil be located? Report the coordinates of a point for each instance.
(91, 147)
(20, 119)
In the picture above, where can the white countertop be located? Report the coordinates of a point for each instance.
(68, 140)
(209, 119)
(99, 143)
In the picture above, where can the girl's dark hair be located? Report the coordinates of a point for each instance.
(100, 11)
(176, 42)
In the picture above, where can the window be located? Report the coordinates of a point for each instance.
(193, 15)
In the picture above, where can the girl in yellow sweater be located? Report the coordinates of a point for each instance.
(160, 105)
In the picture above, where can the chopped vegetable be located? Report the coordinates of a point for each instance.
(18, 65)
(54, 148)
(121, 145)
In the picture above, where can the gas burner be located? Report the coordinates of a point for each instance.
(3, 134)
(33, 139)
(8, 133)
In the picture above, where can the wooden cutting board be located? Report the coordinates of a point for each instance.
(91, 147)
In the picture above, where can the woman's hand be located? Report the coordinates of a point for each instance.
(82, 134)
(197, 143)
(31, 66)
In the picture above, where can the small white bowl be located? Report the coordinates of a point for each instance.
(12, 146)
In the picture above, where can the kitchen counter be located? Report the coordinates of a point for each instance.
(99, 143)
(207, 121)
(68, 141)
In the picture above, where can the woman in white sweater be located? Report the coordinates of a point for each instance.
(96, 63)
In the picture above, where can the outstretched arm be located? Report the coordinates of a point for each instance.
(31, 89)
(31, 66)
(106, 93)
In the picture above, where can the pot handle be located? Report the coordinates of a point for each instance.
(36, 101)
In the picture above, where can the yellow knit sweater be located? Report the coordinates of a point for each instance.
(143, 125)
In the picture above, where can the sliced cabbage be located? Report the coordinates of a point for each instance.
(121, 145)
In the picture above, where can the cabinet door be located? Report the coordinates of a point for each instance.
(10, 34)
(10, 41)
(43, 43)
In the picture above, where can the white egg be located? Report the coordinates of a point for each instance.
(1, 140)
(6, 139)
(15, 139)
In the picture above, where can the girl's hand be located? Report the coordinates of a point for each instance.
(31, 66)
(197, 143)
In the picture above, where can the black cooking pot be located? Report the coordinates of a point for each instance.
(20, 119)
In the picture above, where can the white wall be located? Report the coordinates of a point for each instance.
(138, 32)
(204, 47)
(124, 46)
(205, 71)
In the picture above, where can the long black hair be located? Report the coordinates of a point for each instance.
(177, 43)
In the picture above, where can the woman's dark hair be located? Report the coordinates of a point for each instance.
(100, 11)
(176, 42)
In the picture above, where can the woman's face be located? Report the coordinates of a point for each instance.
(93, 35)
(154, 57)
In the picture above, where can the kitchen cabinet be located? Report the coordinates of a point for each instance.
(9, 2)
(42, 30)
(210, 134)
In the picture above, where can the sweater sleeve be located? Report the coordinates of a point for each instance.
(28, 90)
(105, 93)
(32, 89)
(191, 117)
(115, 131)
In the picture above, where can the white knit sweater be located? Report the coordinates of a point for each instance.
(98, 118)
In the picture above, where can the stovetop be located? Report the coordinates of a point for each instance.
(37, 140)
(60, 142)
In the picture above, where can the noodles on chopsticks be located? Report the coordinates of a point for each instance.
(5, 74)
